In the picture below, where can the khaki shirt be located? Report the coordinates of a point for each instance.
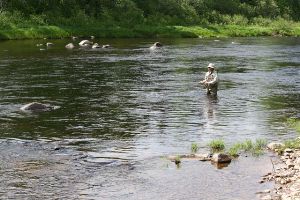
(211, 78)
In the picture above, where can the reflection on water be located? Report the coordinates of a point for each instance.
(120, 109)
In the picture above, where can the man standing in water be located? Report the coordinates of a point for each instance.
(210, 81)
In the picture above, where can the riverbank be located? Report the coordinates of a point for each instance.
(37, 32)
(286, 173)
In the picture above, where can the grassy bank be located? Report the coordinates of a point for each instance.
(34, 32)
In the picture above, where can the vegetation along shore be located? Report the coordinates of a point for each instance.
(135, 18)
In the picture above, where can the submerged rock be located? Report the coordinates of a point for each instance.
(221, 158)
(203, 157)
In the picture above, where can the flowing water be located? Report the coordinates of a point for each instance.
(121, 110)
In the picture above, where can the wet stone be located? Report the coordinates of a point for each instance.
(221, 158)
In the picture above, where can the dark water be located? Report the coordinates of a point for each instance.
(122, 109)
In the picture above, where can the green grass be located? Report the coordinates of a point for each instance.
(177, 160)
(143, 31)
(292, 144)
(234, 150)
(194, 148)
(217, 145)
(294, 123)
(255, 148)
(248, 146)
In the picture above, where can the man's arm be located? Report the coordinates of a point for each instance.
(215, 80)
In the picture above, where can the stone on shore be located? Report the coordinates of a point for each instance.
(275, 145)
(286, 177)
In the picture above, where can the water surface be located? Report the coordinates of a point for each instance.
(122, 109)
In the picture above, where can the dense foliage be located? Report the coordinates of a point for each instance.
(151, 12)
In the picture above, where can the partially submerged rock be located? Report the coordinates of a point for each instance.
(70, 46)
(199, 157)
(221, 158)
(36, 107)
(95, 46)
(156, 45)
(85, 43)
(106, 46)
(203, 157)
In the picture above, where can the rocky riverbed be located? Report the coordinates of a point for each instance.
(286, 175)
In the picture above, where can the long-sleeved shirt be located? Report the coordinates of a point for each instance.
(211, 78)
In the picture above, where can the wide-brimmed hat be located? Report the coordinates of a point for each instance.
(211, 65)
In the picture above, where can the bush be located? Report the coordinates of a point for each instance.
(261, 21)
(282, 26)
(235, 20)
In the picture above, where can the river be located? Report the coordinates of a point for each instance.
(121, 110)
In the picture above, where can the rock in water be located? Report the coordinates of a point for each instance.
(221, 158)
(106, 46)
(156, 45)
(70, 46)
(85, 43)
(35, 106)
(95, 46)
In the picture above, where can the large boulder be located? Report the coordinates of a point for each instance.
(221, 158)
(275, 145)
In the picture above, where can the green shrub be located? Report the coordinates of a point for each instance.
(282, 26)
(261, 21)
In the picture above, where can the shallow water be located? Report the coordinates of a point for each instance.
(122, 109)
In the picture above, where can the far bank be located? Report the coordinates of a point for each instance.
(143, 31)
